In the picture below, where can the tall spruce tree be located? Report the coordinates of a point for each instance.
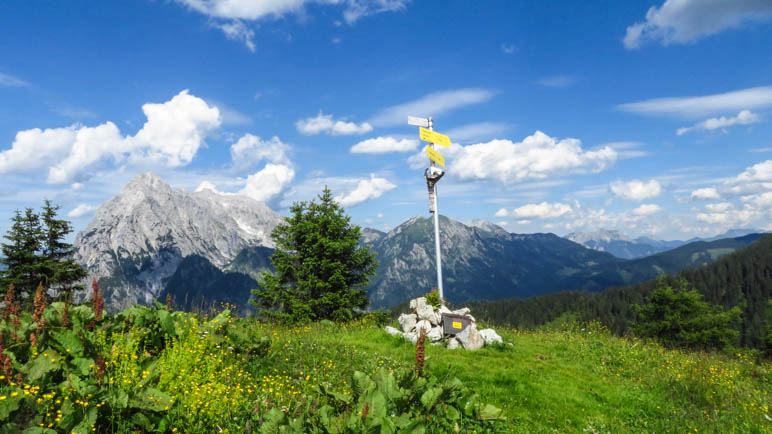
(36, 253)
(320, 267)
(61, 271)
(21, 254)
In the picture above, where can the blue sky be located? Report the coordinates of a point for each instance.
(647, 117)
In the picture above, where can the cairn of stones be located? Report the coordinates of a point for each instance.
(425, 317)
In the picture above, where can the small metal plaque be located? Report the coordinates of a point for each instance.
(453, 323)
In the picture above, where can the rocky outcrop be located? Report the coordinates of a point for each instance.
(427, 319)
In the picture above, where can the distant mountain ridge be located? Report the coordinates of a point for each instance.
(621, 246)
(204, 248)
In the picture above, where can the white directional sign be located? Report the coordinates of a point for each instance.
(419, 122)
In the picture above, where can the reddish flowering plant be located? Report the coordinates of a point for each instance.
(98, 300)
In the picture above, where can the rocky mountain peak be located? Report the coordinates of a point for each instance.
(138, 238)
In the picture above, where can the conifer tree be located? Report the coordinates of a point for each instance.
(20, 253)
(320, 267)
(61, 271)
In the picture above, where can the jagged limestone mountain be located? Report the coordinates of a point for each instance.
(137, 240)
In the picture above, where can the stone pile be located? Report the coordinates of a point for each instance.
(424, 316)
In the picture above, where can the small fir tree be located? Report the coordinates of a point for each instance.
(21, 254)
(320, 267)
(61, 271)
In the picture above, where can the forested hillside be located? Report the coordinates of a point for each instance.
(743, 279)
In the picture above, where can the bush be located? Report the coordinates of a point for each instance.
(681, 318)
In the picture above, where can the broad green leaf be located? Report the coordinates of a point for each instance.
(83, 365)
(9, 404)
(70, 342)
(38, 430)
(167, 322)
(86, 424)
(430, 397)
(151, 399)
(44, 363)
(489, 412)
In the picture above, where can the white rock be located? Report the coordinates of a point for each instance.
(425, 312)
(491, 337)
(452, 344)
(407, 321)
(413, 304)
(419, 303)
(423, 325)
(435, 334)
(392, 331)
(412, 337)
(462, 311)
(470, 338)
(444, 309)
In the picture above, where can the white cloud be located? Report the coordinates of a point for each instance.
(646, 209)
(761, 150)
(694, 106)
(250, 150)
(709, 193)
(719, 207)
(682, 21)
(432, 104)
(382, 145)
(538, 156)
(761, 172)
(236, 30)
(268, 182)
(745, 117)
(542, 210)
(11, 81)
(636, 190)
(233, 16)
(557, 81)
(172, 135)
(325, 124)
(365, 190)
(81, 210)
(626, 149)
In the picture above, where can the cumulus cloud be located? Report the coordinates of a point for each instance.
(171, 136)
(433, 104)
(636, 190)
(325, 124)
(81, 210)
(544, 210)
(709, 193)
(538, 156)
(682, 21)
(694, 106)
(250, 150)
(382, 145)
(745, 117)
(268, 182)
(646, 209)
(234, 16)
(365, 190)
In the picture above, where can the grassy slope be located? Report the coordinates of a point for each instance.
(563, 381)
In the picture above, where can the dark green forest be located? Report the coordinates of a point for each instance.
(743, 279)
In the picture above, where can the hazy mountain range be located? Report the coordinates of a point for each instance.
(204, 247)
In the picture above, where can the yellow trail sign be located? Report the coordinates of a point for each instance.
(435, 156)
(434, 137)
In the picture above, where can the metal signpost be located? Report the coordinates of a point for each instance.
(433, 174)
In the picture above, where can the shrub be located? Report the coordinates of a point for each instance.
(681, 318)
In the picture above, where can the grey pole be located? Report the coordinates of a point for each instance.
(437, 250)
